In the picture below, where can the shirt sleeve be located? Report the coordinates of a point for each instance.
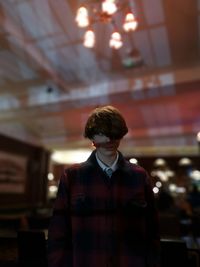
(59, 249)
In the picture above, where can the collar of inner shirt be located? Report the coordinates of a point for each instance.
(104, 166)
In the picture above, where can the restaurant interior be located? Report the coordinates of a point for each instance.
(61, 59)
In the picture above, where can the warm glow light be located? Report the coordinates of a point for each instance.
(70, 156)
(160, 162)
(89, 39)
(195, 175)
(133, 161)
(53, 188)
(158, 184)
(198, 137)
(116, 40)
(82, 17)
(185, 162)
(50, 176)
(130, 24)
(170, 173)
(155, 190)
(109, 7)
(162, 175)
(172, 188)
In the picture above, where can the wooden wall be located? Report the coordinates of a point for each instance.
(35, 162)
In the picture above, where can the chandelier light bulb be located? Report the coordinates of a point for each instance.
(109, 7)
(89, 39)
(82, 17)
(116, 40)
(130, 23)
(198, 137)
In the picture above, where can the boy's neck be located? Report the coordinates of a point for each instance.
(107, 159)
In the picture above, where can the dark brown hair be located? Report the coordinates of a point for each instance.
(106, 120)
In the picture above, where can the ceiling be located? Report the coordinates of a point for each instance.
(49, 82)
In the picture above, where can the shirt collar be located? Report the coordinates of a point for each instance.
(104, 166)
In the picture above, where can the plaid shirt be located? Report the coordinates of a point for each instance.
(102, 222)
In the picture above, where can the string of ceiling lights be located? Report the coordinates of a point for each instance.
(92, 12)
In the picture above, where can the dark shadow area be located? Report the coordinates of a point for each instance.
(31, 248)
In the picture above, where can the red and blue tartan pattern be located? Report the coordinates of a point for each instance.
(104, 222)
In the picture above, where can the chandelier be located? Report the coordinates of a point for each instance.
(105, 12)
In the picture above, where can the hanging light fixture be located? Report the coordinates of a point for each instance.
(116, 40)
(89, 39)
(104, 12)
(82, 17)
(130, 23)
(109, 7)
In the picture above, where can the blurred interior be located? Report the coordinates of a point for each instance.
(49, 84)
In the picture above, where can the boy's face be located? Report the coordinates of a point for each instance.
(105, 144)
